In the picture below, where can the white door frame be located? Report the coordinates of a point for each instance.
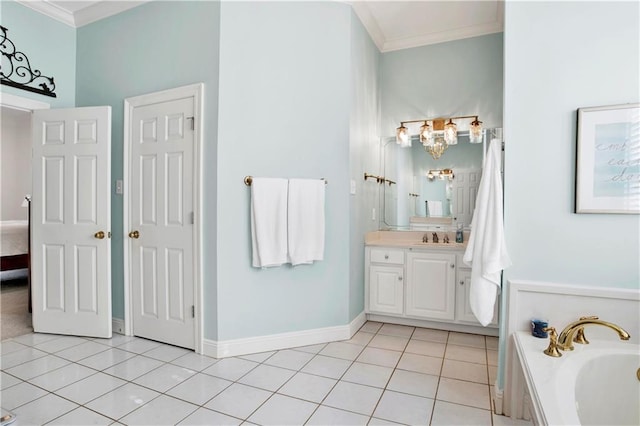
(196, 91)
(23, 104)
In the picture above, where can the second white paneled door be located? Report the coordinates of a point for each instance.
(161, 219)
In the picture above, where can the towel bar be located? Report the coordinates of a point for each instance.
(249, 179)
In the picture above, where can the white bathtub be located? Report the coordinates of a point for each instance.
(595, 384)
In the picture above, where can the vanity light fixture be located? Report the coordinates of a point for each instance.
(436, 134)
(441, 174)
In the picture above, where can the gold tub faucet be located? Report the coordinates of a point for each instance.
(576, 330)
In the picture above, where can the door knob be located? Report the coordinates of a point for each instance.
(134, 234)
(99, 235)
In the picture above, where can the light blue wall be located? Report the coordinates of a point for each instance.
(561, 56)
(156, 46)
(461, 77)
(50, 46)
(364, 154)
(284, 112)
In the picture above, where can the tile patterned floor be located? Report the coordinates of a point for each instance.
(386, 374)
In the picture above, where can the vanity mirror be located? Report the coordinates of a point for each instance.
(429, 192)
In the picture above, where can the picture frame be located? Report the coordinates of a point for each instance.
(608, 159)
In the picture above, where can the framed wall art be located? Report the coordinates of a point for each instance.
(608, 159)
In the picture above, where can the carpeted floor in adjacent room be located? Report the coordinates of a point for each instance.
(15, 318)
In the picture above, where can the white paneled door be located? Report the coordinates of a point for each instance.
(161, 220)
(71, 221)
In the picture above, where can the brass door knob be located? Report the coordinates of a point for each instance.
(99, 235)
(134, 234)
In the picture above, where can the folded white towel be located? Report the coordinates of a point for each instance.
(435, 208)
(306, 220)
(269, 221)
(486, 251)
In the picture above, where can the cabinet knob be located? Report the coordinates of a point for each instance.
(461, 282)
(400, 278)
(386, 256)
(452, 266)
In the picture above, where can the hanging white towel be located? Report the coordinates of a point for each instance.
(487, 250)
(269, 221)
(435, 208)
(306, 220)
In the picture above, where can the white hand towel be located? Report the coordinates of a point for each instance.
(487, 250)
(435, 208)
(269, 221)
(306, 220)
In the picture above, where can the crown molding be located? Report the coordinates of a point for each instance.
(369, 23)
(88, 15)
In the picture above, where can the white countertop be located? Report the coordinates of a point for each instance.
(413, 240)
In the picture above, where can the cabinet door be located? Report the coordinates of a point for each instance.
(431, 289)
(386, 289)
(463, 307)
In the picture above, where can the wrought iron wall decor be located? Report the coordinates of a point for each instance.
(16, 71)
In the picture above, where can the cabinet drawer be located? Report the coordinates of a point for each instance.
(379, 255)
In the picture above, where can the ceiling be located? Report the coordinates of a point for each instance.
(392, 24)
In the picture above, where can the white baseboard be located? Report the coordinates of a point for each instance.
(117, 325)
(273, 342)
(499, 408)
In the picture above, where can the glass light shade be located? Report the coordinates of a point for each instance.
(451, 133)
(402, 136)
(475, 131)
(426, 135)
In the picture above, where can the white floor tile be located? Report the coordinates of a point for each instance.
(368, 374)
(420, 363)
(371, 327)
(106, 359)
(466, 353)
(39, 366)
(117, 339)
(43, 410)
(425, 347)
(361, 338)
(60, 344)
(163, 410)
(465, 393)
(138, 345)
(8, 346)
(166, 353)
(383, 357)
(33, 339)
(164, 377)
(267, 377)
(90, 388)
(62, 377)
(332, 416)
(83, 350)
(133, 367)
(7, 380)
(283, 410)
(396, 330)
(466, 339)
(81, 417)
(20, 394)
(308, 387)
(393, 343)
(238, 400)
(122, 400)
(259, 357)
(194, 361)
(403, 408)
(206, 417)
(446, 413)
(311, 349)
(353, 397)
(20, 357)
(439, 336)
(199, 388)
(293, 360)
(468, 371)
(342, 350)
(327, 366)
(381, 422)
(508, 421)
(414, 383)
(231, 368)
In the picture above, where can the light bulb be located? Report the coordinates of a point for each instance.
(426, 136)
(402, 136)
(451, 133)
(475, 131)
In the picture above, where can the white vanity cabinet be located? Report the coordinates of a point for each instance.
(430, 288)
(421, 286)
(386, 280)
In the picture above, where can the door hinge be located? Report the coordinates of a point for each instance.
(193, 311)
(193, 122)
(193, 218)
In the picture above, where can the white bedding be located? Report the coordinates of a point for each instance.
(14, 236)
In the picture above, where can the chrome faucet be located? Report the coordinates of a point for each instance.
(575, 332)
(425, 238)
